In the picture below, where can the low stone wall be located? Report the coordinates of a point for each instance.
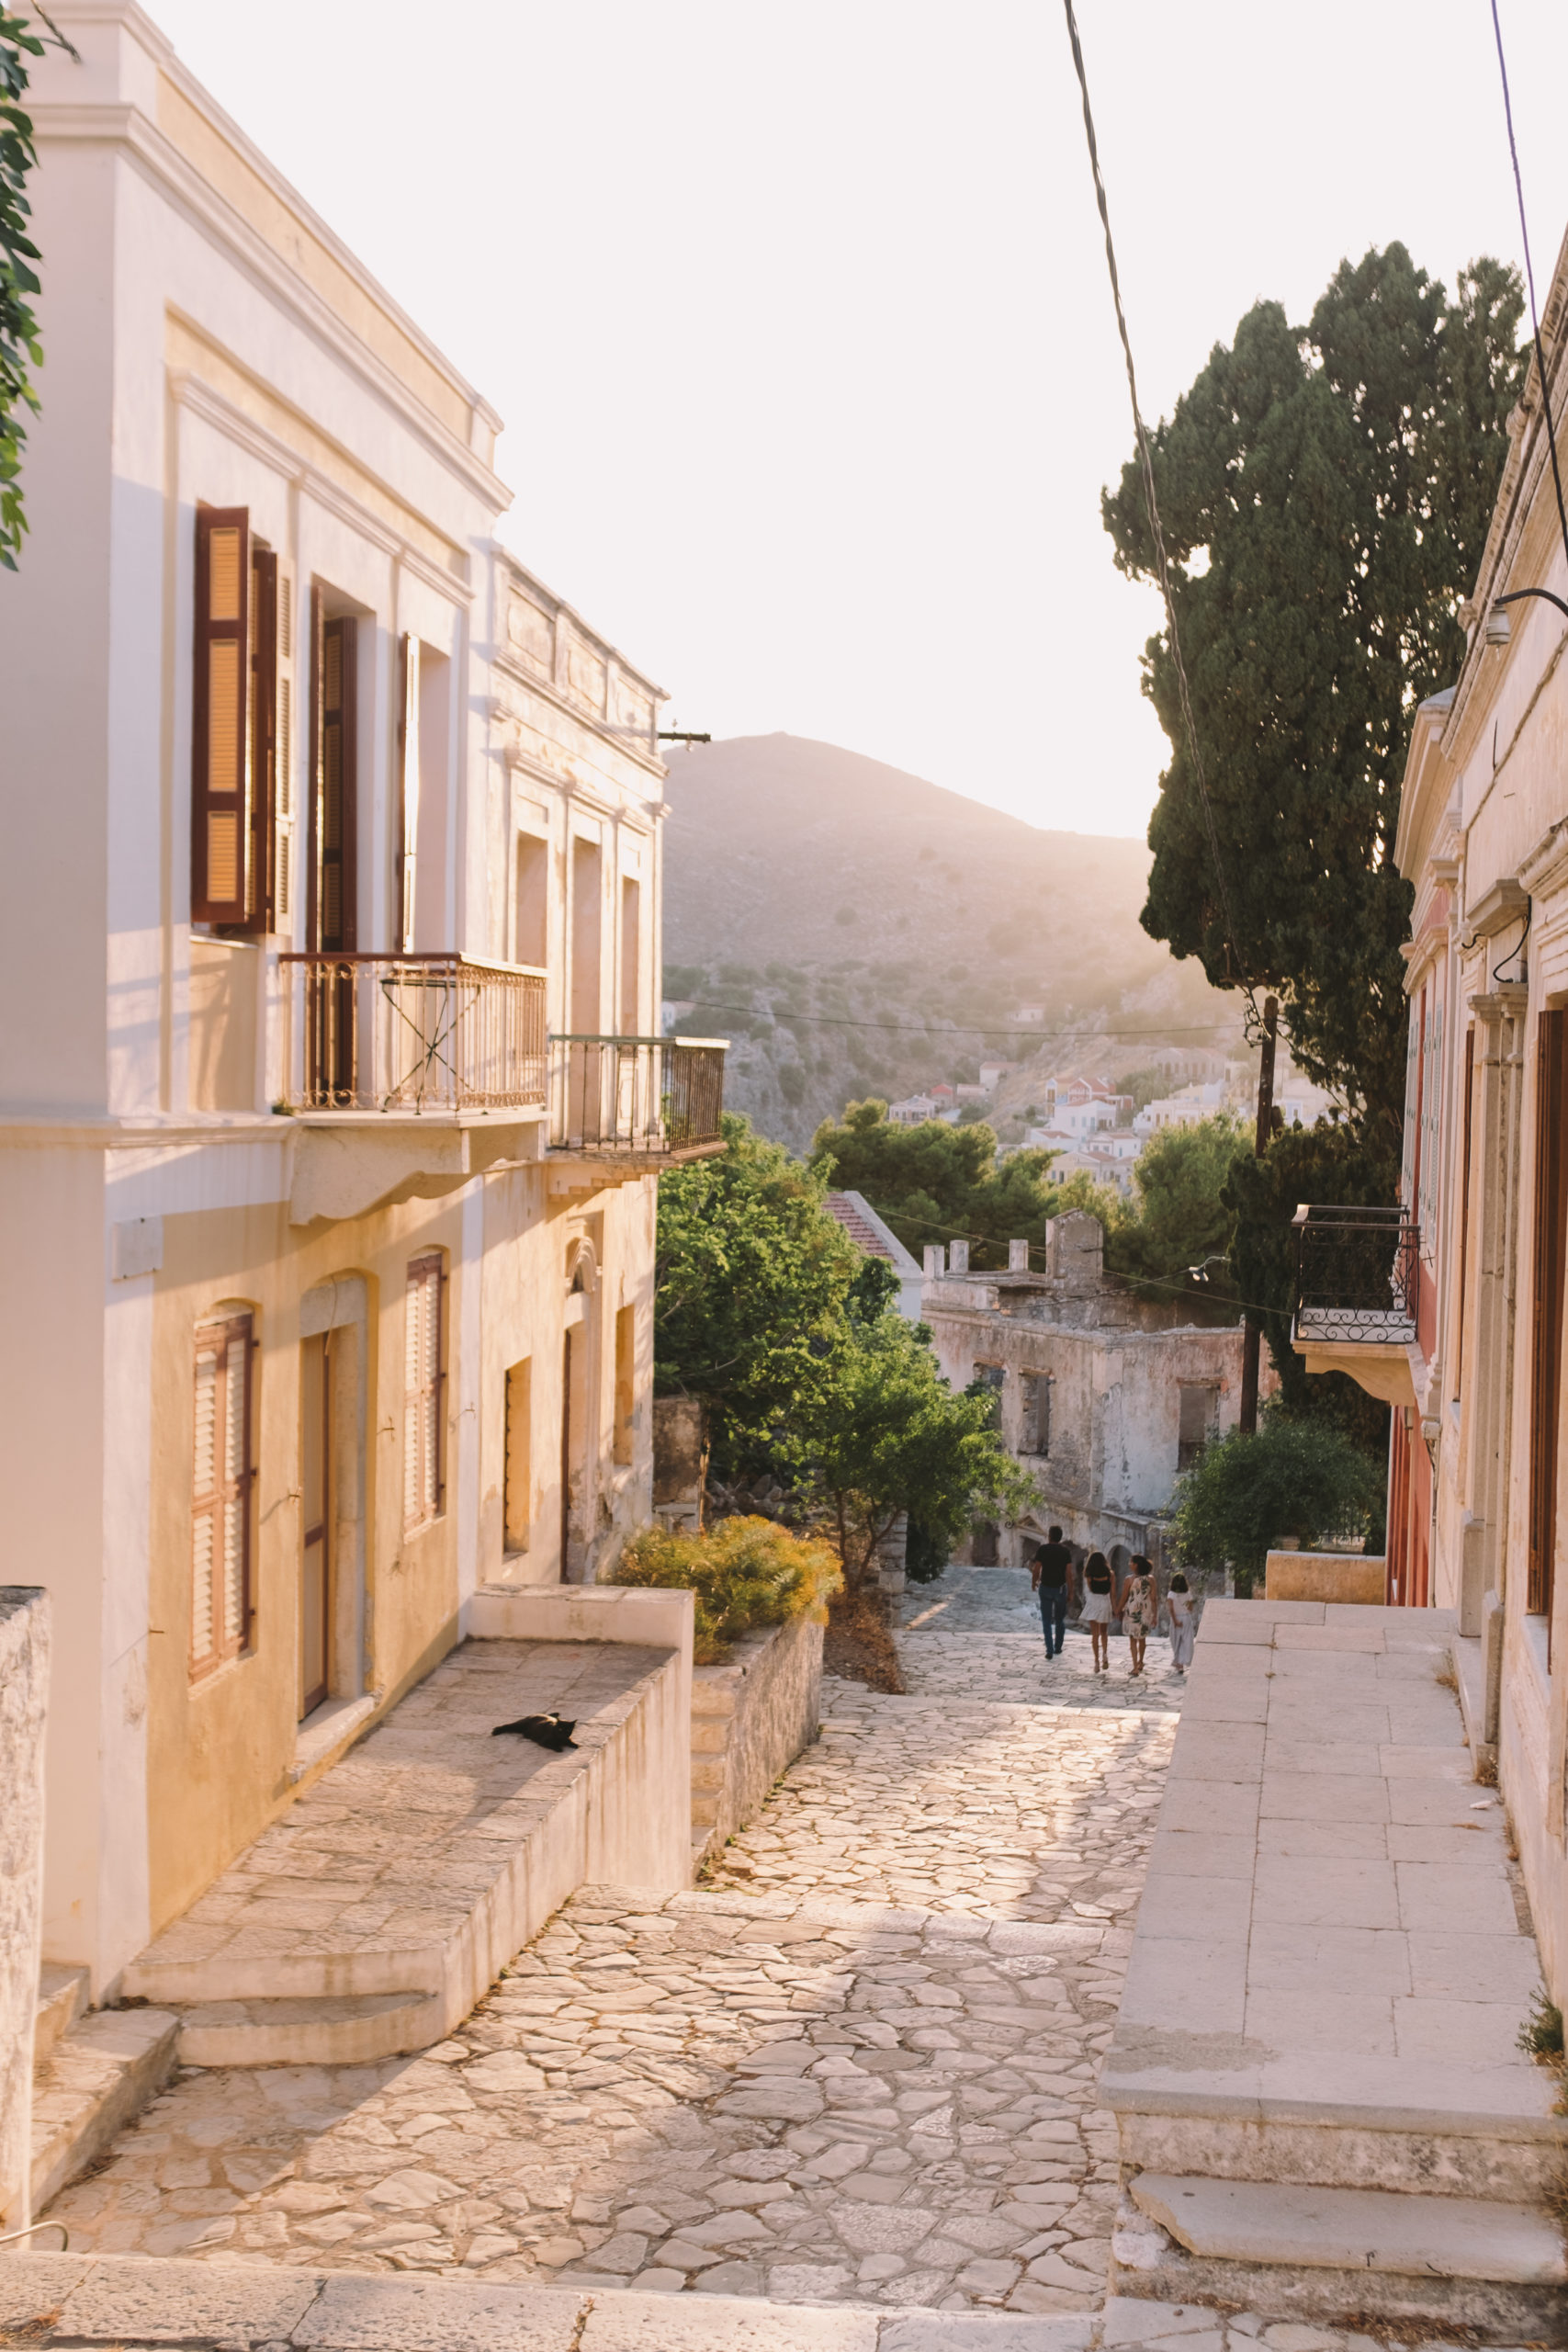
(750, 1718)
(24, 1691)
(1326, 1575)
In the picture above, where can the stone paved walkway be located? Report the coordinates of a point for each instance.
(856, 2068)
(976, 1633)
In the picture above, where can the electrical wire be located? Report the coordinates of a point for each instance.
(1529, 277)
(926, 1029)
(1151, 501)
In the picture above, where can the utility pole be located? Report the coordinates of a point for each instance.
(1250, 1346)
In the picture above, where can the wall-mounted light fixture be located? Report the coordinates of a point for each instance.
(1499, 629)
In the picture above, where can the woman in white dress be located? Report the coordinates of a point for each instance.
(1178, 1602)
(1099, 1606)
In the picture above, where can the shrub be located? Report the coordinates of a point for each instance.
(744, 1573)
(1290, 1479)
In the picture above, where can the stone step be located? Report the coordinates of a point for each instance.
(62, 1997)
(49, 2300)
(347, 2030)
(394, 1891)
(97, 2077)
(1354, 2229)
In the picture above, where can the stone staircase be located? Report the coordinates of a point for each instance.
(92, 2072)
(369, 1920)
(1322, 2111)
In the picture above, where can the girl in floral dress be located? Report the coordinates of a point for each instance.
(1140, 1607)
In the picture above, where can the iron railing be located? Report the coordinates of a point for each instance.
(635, 1095)
(1355, 1276)
(425, 1031)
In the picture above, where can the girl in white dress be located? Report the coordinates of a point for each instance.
(1100, 1595)
(1178, 1602)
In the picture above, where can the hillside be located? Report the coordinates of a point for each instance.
(856, 931)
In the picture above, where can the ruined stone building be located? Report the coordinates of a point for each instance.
(1104, 1393)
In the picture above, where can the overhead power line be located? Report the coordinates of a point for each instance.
(1151, 501)
(784, 1017)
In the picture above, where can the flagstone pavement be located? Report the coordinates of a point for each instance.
(856, 2066)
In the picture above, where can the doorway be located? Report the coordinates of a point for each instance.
(574, 1523)
(316, 1550)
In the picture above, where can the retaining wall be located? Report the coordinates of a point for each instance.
(750, 1718)
(23, 1691)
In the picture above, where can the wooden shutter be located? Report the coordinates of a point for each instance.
(408, 736)
(221, 1495)
(334, 678)
(221, 814)
(283, 858)
(1464, 1209)
(1546, 1350)
(422, 1392)
(263, 666)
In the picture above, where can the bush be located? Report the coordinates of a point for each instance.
(744, 1573)
(1296, 1478)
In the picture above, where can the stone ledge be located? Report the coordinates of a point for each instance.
(1434, 2237)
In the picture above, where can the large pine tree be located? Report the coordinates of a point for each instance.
(1324, 494)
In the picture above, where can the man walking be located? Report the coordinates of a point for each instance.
(1050, 1577)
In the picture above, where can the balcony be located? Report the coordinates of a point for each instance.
(1356, 1278)
(409, 1073)
(635, 1105)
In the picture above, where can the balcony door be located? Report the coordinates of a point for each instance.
(333, 900)
(316, 1548)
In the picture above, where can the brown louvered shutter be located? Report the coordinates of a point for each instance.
(220, 815)
(424, 1461)
(264, 734)
(333, 875)
(1546, 1336)
(221, 1495)
(284, 855)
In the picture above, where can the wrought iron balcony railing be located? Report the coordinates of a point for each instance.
(617, 1095)
(413, 1032)
(1355, 1276)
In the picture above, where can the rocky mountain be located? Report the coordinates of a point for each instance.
(857, 930)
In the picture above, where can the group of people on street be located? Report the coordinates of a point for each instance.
(1138, 1603)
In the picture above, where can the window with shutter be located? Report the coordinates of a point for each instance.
(221, 1495)
(281, 897)
(408, 737)
(221, 864)
(334, 898)
(1546, 1336)
(422, 1392)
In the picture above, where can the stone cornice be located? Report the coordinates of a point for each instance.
(127, 128)
(191, 391)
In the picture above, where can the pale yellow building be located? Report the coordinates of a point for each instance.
(333, 1101)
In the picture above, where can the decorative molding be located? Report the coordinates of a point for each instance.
(1546, 866)
(507, 662)
(1506, 903)
(129, 127)
(192, 391)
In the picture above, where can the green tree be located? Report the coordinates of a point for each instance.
(1327, 1162)
(752, 1283)
(1326, 493)
(888, 1434)
(1182, 1218)
(1287, 1478)
(936, 1182)
(21, 351)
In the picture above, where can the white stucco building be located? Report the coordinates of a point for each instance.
(331, 1128)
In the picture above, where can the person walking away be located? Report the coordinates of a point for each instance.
(1050, 1577)
(1098, 1607)
(1140, 1607)
(1178, 1603)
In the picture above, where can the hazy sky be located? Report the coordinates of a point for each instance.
(797, 310)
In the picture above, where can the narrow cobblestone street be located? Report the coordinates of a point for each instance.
(857, 2063)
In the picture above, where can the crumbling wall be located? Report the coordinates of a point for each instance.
(24, 1690)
